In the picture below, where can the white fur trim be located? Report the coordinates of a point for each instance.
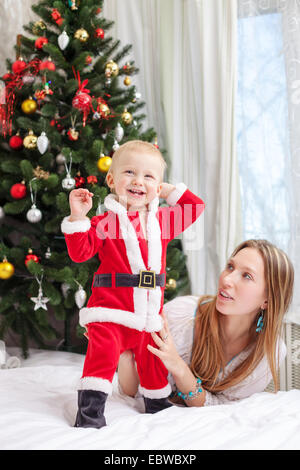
(76, 226)
(104, 314)
(176, 194)
(95, 383)
(159, 393)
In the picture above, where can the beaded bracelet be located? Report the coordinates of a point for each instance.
(191, 395)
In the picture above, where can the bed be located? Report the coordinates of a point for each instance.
(38, 407)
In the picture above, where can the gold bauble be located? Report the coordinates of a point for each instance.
(38, 27)
(6, 269)
(112, 67)
(126, 118)
(29, 106)
(104, 109)
(30, 141)
(82, 35)
(171, 284)
(127, 81)
(104, 163)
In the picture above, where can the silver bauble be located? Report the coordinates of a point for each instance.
(116, 145)
(2, 213)
(48, 253)
(42, 143)
(80, 297)
(60, 159)
(68, 182)
(65, 287)
(63, 40)
(119, 132)
(34, 214)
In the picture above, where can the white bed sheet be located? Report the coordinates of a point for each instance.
(38, 404)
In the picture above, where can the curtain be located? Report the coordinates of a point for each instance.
(13, 15)
(268, 116)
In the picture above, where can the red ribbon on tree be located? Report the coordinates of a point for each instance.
(13, 82)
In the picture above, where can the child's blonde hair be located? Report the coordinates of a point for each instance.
(137, 145)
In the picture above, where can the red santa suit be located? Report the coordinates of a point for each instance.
(122, 318)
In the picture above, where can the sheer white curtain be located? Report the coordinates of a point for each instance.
(268, 116)
(188, 49)
(13, 15)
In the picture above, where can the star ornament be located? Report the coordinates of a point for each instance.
(40, 301)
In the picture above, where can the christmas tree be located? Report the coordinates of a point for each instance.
(67, 105)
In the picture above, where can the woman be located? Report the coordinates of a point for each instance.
(225, 347)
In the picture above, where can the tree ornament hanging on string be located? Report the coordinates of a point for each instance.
(99, 33)
(115, 146)
(6, 269)
(68, 182)
(48, 64)
(30, 140)
(18, 190)
(137, 96)
(81, 34)
(40, 42)
(112, 67)
(40, 301)
(40, 173)
(82, 100)
(16, 142)
(42, 143)
(92, 179)
(80, 180)
(63, 40)
(56, 16)
(28, 78)
(29, 106)
(48, 253)
(119, 132)
(127, 81)
(80, 296)
(60, 159)
(38, 27)
(31, 257)
(171, 284)
(104, 163)
(74, 4)
(34, 215)
(2, 214)
(18, 66)
(127, 118)
(73, 134)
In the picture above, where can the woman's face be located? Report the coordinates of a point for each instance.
(242, 289)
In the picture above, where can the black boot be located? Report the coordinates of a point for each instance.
(153, 405)
(90, 412)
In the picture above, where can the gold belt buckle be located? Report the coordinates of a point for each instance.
(147, 279)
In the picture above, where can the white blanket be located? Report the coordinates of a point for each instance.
(38, 404)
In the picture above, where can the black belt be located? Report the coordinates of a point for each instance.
(146, 280)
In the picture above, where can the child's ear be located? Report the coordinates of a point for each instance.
(109, 180)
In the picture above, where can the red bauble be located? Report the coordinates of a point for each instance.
(18, 191)
(32, 257)
(47, 65)
(99, 33)
(40, 42)
(18, 66)
(16, 142)
(89, 60)
(82, 101)
(80, 180)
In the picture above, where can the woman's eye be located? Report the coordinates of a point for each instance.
(247, 276)
(229, 266)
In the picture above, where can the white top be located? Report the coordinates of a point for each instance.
(180, 314)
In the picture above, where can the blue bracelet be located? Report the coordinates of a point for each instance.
(191, 395)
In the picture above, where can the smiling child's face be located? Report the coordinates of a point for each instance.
(136, 178)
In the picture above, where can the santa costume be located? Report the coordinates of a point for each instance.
(127, 294)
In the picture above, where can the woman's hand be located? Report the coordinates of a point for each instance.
(80, 202)
(166, 350)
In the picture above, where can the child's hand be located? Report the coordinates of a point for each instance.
(80, 202)
(166, 189)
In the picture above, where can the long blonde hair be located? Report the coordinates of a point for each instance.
(208, 357)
